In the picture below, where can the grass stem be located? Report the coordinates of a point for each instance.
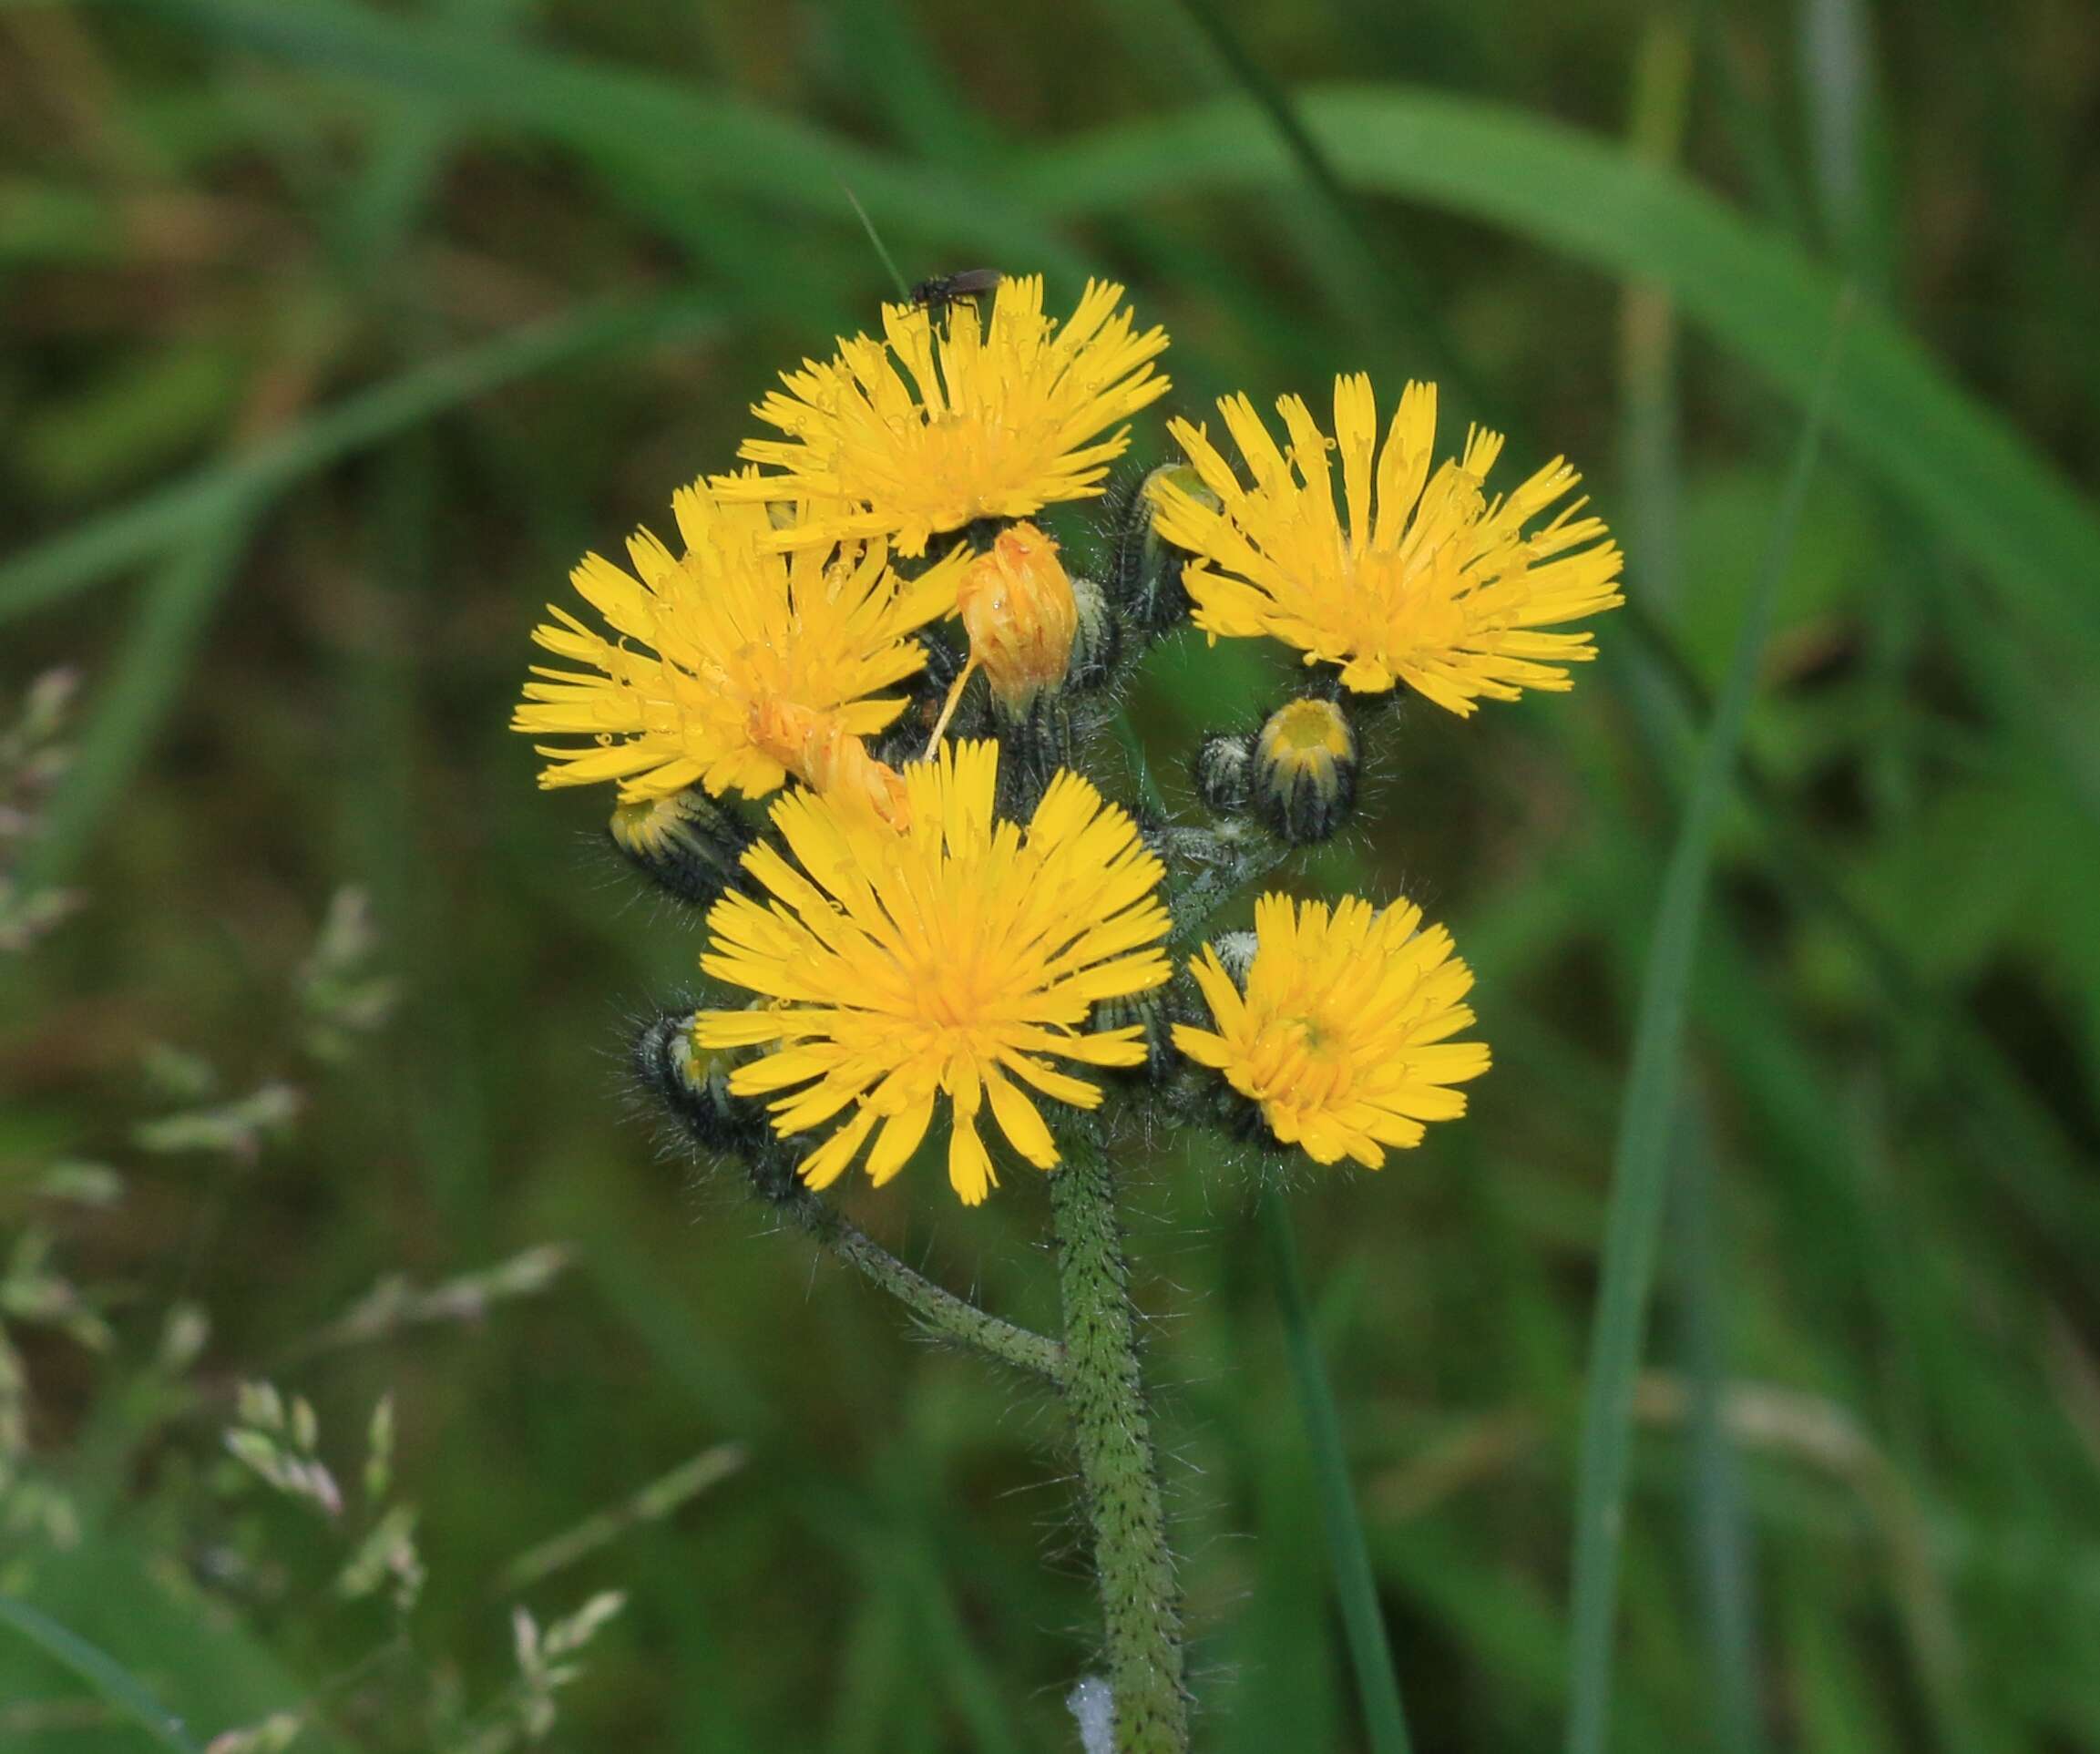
(1370, 1652)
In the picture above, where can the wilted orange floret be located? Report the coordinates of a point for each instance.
(819, 749)
(1017, 607)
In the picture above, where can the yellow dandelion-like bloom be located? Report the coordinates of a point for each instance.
(958, 957)
(1427, 582)
(1341, 1035)
(931, 428)
(713, 654)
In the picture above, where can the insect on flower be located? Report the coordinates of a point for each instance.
(942, 290)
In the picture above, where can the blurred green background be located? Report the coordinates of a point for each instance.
(332, 333)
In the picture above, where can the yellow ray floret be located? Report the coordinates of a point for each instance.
(1419, 577)
(958, 957)
(934, 426)
(1342, 1034)
(710, 654)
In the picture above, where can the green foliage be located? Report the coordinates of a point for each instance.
(335, 331)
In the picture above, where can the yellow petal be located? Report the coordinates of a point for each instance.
(1020, 1120)
(899, 1138)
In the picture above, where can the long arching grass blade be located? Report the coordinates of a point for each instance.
(1641, 1160)
(116, 1685)
(1961, 469)
(708, 142)
(132, 699)
(161, 519)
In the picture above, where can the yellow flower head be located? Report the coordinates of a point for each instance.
(1341, 1033)
(1425, 581)
(708, 652)
(956, 957)
(931, 428)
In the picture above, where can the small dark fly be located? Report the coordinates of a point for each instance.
(937, 293)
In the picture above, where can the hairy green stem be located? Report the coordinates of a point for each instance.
(1211, 865)
(1119, 1473)
(937, 1310)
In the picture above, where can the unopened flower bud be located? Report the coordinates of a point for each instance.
(692, 1083)
(1017, 606)
(1100, 639)
(1152, 1013)
(1236, 953)
(686, 842)
(1305, 771)
(1221, 770)
(1145, 574)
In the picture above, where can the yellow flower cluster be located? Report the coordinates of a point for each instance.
(762, 652)
(908, 950)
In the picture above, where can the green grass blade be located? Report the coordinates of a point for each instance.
(708, 143)
(663, 1496)
(208, 496)
(408, 153)
(1719, 1522)
(1371, 1654)
(1378, 278)
(888, 261)
(952, 1659)
(1961, 469)
(136, 696)
(111, 1679)
(1640, 1167)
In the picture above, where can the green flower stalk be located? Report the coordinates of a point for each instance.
(1118, 1469)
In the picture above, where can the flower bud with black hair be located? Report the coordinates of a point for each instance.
(1305, 778)
(1145, 569)
(1099, 642)
(1156, 1014)
(687, 843)
(1236, 953)
(1222, 771)
(693, 1084)
(1034, 743)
